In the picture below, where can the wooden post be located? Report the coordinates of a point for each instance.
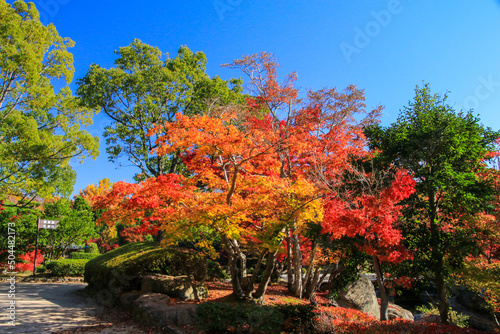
(36, 246)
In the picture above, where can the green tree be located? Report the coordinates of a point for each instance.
(445, 150)
(76, 225)
(23, 221)
(143, 90)
(40, 128)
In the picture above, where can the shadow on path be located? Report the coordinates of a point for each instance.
(46, 307)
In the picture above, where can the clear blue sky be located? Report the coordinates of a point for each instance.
(385, 47)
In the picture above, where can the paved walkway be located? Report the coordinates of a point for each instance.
(59, 308)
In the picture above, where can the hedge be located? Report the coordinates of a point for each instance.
(218, 317)
(82, 255)
(92, 248)
(67, 267)
(121, 270)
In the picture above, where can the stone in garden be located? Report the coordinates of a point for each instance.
(395, 312)
(430, 319)
(155, 309)
(181, 287)
(127, 299)
(360, 295)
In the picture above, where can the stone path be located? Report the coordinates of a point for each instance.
(60, 308)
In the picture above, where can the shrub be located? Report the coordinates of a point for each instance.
(41, 269)
(298, 317)
(215, 271)
(67, 267)
(92, 248)
(248, 318)
(82, 255)
(455, 318)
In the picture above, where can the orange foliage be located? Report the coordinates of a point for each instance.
(92, 190)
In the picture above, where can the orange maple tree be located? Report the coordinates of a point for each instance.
(256, 174)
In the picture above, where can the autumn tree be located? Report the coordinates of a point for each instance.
(145, 89)
(93, 190)
(318, 135)
(445, 151)
(40, 127)
(253, 170)
(367, 209)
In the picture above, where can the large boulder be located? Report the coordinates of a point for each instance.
(360, 295)
(397, 312)
(470, 300)
(182, 287)
(155, 309)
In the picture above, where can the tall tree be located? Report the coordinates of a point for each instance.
(143, 90)
(317, 136)
(76, 225)
(445, 151)
(40, 128)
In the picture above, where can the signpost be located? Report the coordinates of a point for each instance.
(43, 223)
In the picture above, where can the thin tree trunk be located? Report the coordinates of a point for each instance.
(279, 267)
(444, 305)
(233, 267)
(333, 275)
(249, 288)
(322, 278)
(437, 256)
(266, 277)
(312, 285)
(384, 298)
(289, 262)
(310, 269)
(297, 267)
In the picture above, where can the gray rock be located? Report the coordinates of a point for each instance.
(155, 309)
(470, 300)
(181, 287)
(127, 299)
(360, 295)
(397, 312)
(430, 319)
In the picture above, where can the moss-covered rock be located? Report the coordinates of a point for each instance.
(121, 270)
(181, 287)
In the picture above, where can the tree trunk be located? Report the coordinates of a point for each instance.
(336, 271)
(297, 267)
(279, 267)
(312, 285)
(384, 298)
(289, 263)
(437, 256)
(266, 277)
(310, 269)
(233, 267)
(444, 305)
(249, 289)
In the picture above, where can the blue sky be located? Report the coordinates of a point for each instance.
(386, 47)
